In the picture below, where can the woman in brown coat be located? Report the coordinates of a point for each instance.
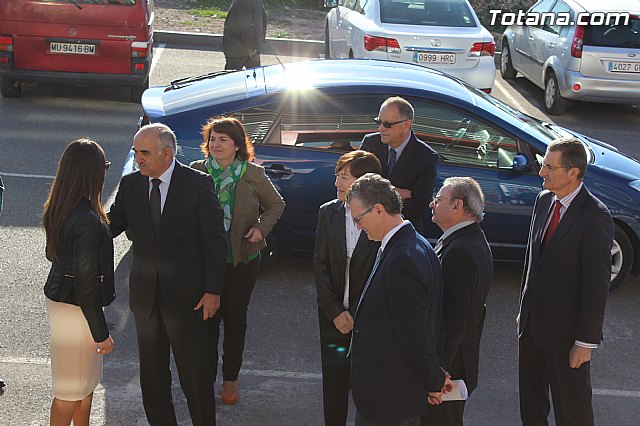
(244, 191)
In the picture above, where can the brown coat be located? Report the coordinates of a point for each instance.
(253, 191)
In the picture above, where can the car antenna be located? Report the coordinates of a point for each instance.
(280, 62)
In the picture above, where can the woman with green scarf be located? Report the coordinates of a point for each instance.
(251, 206)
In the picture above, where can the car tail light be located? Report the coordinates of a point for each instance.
(482, 49)
(578, 41)
(139, 49)
(576, 87)
(382, 44)
(6, 44)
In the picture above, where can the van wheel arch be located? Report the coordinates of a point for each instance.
(10, 88)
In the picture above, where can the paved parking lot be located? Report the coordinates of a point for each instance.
(280, 382)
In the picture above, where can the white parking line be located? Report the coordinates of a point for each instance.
(157, 52)
(512, 101)
(26, 176)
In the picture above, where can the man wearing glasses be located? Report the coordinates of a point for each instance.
(564, 291)
(394, 361)
(407, 162)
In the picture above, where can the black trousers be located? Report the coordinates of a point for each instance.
(239, 282)
(361, 421)
(184, 333)
(336, 372)
(235, 63)
(570, 387)
(449, 413)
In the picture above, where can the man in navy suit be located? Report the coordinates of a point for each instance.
(407, 162)
(564, 291)
(395, 366)
(467, 268)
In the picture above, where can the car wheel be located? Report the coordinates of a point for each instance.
(327, 48)
(621, 258)
(10, 88)
(554, 103)
(137, 91)
(506, 66)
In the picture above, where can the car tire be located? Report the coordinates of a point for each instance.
(621, 258)
(137, 91)
(327, 47)
(554, 103)
(9, 88)
(506, 65)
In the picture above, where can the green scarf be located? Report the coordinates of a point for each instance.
(225, 181)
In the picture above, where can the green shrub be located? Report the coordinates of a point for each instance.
(482, 8)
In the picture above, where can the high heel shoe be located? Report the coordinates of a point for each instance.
(229, 392)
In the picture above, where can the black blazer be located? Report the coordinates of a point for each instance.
(564, 289)
(394, 350)
(189, 257)
(467, 268)
(415, 170)
(330, 260)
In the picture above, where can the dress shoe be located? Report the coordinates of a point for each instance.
(229, 392)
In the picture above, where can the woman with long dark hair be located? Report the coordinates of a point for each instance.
(80, 282)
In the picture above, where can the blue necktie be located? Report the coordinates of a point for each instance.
(392, 161)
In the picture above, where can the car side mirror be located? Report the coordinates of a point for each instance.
(330, 3)
(520, 163)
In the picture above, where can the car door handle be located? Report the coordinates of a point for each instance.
(551, 44)
(278, 170)
(530, 38)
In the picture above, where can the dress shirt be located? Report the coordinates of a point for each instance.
(566, 202)
(400, 148)
(455, 227)
(164, 185)
(390, 234)
(352, 234)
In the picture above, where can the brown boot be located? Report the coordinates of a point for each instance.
(229, 392)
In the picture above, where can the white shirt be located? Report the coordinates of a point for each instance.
(352, 236)
(164, 185)
(390, 234)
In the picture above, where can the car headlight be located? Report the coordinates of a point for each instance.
(635, 184)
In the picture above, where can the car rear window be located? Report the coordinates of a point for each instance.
(104, 2)
(614, 35)
(449, 13)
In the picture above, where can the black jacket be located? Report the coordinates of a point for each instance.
(245, 28)
(87, 253)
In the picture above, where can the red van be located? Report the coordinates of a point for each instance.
(75, 42)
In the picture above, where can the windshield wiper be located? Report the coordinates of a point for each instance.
(75, 3)
(176, 84)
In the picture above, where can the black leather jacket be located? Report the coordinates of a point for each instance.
(87, 253)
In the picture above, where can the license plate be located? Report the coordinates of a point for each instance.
(72, 48)
(434, 58)
(624, 67)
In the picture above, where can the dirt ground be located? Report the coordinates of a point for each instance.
(303, 24)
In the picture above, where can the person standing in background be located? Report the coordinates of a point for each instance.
(245, 30)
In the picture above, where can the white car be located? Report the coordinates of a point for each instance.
(444, 34)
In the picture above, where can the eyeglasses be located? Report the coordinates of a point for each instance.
(388, 124)
(551, 168)
(359, 218)
(435, 200)
(107, 165)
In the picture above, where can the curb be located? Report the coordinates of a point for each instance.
(272, 46)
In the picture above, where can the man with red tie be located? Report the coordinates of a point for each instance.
(564, 290)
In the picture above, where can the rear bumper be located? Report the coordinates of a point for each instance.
(600, 89)
(75, 78)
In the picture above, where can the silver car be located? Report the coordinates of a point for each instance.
(441, 34)
(596, 63)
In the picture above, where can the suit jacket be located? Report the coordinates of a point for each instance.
(188, 259)
(394, 347)
(564, 289)
(415, 170)
(467, 269)
(330, 260)
(245, 28)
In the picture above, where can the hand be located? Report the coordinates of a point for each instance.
(254, 235)
(579, 356)
(404, 193)
(209, 304)
(344, 322)
(106, 346)
(434, 398)
(449, 385)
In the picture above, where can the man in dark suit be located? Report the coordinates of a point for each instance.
(394, 364)
(467, 269)
(171, 214)
(564, 291)
(342, 260)
(407, 162)
(245, 30)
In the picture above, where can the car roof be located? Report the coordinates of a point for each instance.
(609, 5)
(354, 74)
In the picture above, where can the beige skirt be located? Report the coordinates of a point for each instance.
(76, 367)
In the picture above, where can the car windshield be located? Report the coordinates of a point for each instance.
(447, 13)
(614, 34)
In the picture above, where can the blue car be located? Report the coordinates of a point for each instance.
(303, 116)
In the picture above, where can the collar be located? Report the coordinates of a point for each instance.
(567, 199)
(456, 227)
(402, 146)
(166, 176)
(391, 233)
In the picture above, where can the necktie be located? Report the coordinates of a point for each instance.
(154, 204)
(438, 246)
(392, 161)
(553, 224)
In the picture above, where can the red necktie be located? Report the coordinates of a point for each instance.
(553, 224)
